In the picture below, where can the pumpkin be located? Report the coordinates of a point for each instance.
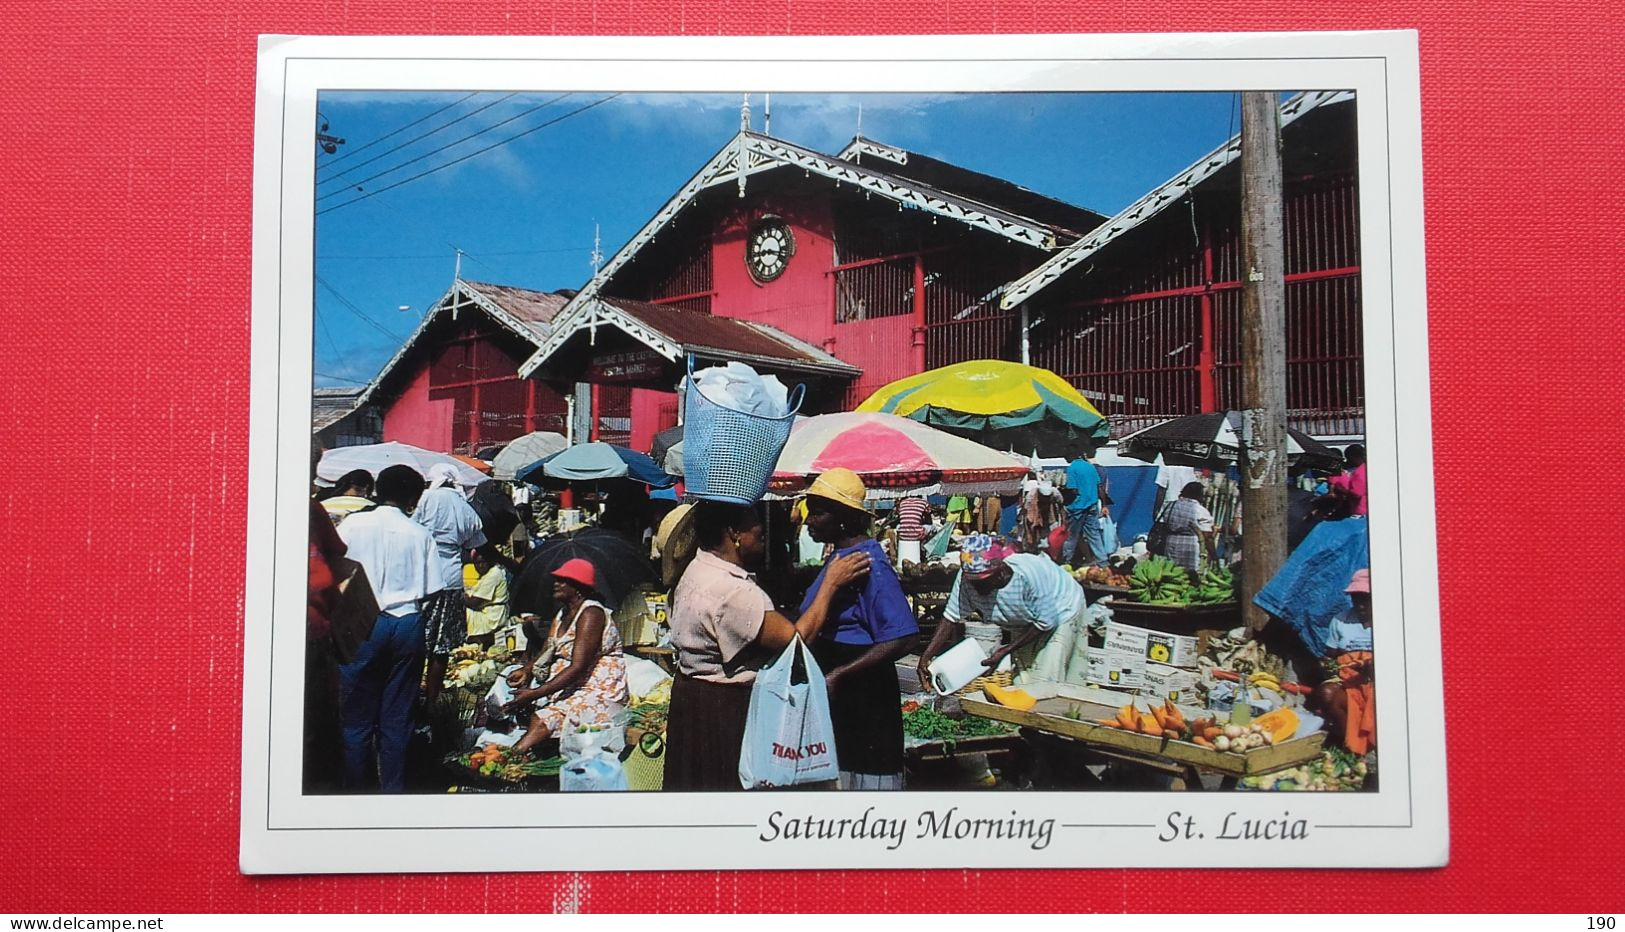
(1018, 699)
(1281, 724)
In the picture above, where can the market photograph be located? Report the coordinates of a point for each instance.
(731, 442)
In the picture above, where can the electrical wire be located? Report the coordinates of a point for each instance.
(356, 310)
(464, 158)
(364, 146)
(418, 138)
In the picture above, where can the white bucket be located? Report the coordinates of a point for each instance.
(990, 636)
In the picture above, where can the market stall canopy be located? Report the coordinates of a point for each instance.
(664, 444)
(1211, 441)
(589, 461)
(474, 462)
(524, 451)
(376, 457)
(1002, 404)
(893, 455)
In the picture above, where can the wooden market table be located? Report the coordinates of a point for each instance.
(1180, 759)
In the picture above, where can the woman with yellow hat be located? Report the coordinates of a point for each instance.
(871, 626)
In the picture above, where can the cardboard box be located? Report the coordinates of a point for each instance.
(1114, 668)
(1167, 682)
(1173, 650)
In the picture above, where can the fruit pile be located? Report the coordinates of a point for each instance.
(1216, 584)
(1160, 581)
(494, 760)
(1166, 721)
(1335, 770)
(1101, 576)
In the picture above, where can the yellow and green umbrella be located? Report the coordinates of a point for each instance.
(1001, 404)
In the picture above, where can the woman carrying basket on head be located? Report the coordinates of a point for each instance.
(724, 628)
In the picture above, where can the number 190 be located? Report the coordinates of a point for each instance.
(1600, 922)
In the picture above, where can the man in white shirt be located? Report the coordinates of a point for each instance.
(456, 529)
(379, 687)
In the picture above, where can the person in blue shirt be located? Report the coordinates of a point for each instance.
(872, 626)
(1085, 542)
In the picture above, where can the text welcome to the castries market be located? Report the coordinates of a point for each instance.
(946, 825)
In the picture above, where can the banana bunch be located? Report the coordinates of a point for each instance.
(1160, 581)
(1262, 680)
(1216, 584)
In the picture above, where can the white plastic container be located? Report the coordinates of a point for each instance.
(954, 668)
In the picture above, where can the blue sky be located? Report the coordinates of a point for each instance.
(523, 211)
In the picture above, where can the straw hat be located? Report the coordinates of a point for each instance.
(841, 486)
(677, 543)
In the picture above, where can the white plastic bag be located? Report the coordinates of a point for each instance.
(742, 388)
(1108, 532)
(789, 738)
(595, 773)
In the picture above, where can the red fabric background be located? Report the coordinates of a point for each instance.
(125, 137)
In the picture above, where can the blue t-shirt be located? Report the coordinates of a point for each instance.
(876, 613)
(1082, 476)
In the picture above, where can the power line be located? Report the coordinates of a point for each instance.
(356, 310)
(464, 158)
(519, 252)
(403, 129)
(340, 378)
(417, 138)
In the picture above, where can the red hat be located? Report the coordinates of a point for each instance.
(578, 571)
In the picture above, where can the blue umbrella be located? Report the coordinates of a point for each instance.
(591, 461)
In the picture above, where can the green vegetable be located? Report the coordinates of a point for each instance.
(928, 724)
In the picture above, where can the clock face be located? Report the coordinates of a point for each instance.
(769, 249)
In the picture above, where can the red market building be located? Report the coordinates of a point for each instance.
(858, 255)
(454, 386)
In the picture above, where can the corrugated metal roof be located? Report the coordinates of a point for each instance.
(331, 405)
(674, 332)
(971, 184)
(534, 309)
(528, 314)
(1159, 199)
(697, 330)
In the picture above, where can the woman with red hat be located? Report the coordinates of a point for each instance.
(587, 681)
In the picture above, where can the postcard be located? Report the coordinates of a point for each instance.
(861, 452)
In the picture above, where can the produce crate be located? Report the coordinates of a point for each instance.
(1050, 716)
(1198, 621)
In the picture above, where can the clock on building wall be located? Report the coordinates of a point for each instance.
(769, 248)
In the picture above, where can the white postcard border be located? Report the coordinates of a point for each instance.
(1403, 824)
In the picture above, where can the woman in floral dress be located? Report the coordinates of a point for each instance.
(586, 683)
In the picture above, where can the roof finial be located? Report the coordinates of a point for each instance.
(597, 257)
(744, 114)
(767, 114)
(860, 119)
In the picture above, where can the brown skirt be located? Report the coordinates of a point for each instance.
(704, 731)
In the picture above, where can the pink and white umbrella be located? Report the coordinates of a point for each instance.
(893, 454)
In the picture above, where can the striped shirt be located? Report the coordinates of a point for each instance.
(911, 514)
(1039, 593)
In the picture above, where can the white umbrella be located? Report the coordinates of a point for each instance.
(376, 457)
(524, 451)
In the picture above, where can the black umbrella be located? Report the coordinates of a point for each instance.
(1212, 440)
(663, 443)
(498, 516)
(620, 566)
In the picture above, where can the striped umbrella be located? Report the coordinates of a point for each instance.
(1002, 404)
(892, 454)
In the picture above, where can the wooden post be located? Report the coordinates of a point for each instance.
(1263, 352)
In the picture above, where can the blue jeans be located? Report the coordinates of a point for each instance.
(376, 693)
(1085, 544)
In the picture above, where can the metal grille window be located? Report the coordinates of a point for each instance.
(883, 289)
(690, 285)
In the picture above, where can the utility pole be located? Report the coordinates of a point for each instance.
(1263, 352)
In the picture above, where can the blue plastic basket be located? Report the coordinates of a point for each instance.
(728, 455)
